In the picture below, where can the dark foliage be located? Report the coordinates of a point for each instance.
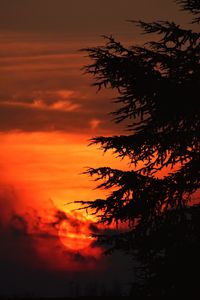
(171, 253)
(158, 87)
(192, 6)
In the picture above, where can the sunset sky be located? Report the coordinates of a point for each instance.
(48, 112)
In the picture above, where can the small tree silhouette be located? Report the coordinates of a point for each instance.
(158, 85)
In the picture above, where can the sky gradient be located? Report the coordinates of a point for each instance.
(48, 113)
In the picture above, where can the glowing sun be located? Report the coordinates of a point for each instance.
(75, 237)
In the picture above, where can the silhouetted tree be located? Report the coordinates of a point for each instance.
(169, 252)
(158, 87)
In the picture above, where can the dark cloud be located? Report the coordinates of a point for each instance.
(18, 226)
(60, 216)
(77, 256)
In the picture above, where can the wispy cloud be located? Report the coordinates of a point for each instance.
(43, 88)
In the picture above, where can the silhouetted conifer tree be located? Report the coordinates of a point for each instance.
(170, 255)
(158, 87)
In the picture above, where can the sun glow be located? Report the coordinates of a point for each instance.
(41, 178)
(73, 238)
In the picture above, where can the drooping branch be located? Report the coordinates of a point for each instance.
(155, 151)
(192, 6)
(138, 198)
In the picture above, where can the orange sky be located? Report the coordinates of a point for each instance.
(49, 165)
(43, 171)
(48, 112)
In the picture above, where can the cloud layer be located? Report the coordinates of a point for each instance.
(34, 261)
(43, 89)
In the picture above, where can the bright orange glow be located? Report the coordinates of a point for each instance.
(43, 170)
(49, 166)
(75, 239)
